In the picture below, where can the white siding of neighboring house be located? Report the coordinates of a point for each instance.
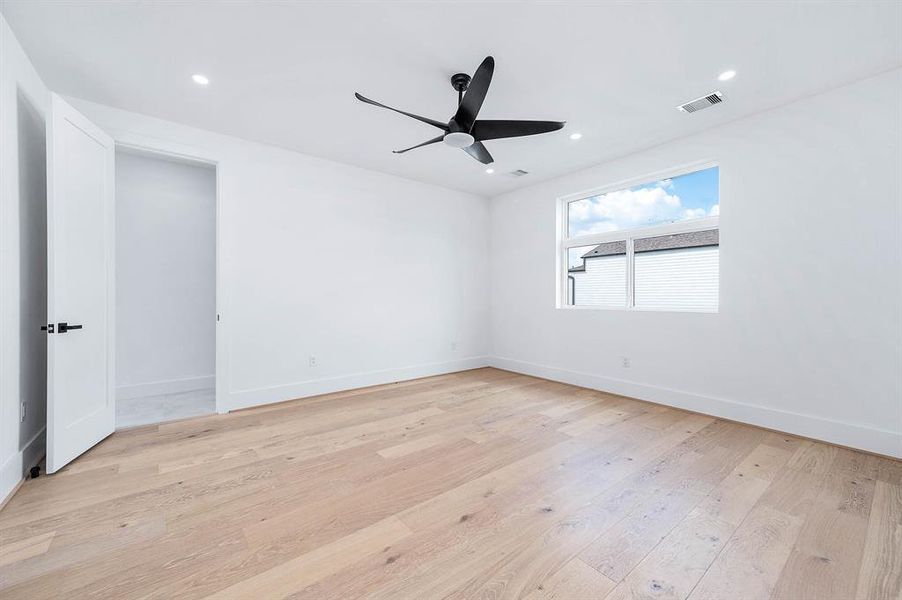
(680, 279)
(603, 283)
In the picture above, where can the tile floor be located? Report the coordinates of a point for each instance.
(169, 407)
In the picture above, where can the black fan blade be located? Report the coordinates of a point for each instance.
(433, 122)
(475, 94)
(493, 130)
(478, 151)
(432, 141)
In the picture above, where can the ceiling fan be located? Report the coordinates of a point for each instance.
(464, 130)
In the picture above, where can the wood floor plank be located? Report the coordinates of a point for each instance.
(827, 555)
(750, 564)
(83, 550)
(405, 448)
(880, 577)
(12, 552)
(604, 417)
(298, 573)
(576, 579)
(479, 484)
(674, 567)
(623, 547)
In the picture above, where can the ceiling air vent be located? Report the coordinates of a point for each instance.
(519, 173)
(703, 102)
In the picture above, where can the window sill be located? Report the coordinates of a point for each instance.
(703, 311)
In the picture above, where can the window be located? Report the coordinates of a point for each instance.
(651, 246)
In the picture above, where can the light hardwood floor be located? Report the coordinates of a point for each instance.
(482, 484)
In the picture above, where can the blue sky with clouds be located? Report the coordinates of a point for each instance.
(691, 196)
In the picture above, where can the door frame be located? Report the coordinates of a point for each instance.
(132, 142)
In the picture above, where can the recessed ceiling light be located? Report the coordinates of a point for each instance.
(726, 75)
(200, 79)
(575, 136)
(490, 170)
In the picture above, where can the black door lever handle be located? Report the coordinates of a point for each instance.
(64, 327)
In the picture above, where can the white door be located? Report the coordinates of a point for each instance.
(80, 237)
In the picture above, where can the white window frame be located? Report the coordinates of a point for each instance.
(565, 242)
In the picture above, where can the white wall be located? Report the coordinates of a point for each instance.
(808, 338)
(165, 276)
(374, 275)
(23, 100)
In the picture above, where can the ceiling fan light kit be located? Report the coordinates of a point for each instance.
(464, 131)
(459, 139)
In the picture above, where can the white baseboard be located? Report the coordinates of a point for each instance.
(170, 386)
(871, 439)
(15, 467)
(316, 387)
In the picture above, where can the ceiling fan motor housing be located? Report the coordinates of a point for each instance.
(460, 82)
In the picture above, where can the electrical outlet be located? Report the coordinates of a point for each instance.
(312, 361)
(22, 410)
(453, 346)
(625, 362)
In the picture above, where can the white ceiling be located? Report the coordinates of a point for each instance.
(285, 74)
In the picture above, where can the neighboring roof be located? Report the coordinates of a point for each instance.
(696, 239)
(606, 249)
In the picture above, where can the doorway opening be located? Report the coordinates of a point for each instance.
(165, 288)
(28, 430)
